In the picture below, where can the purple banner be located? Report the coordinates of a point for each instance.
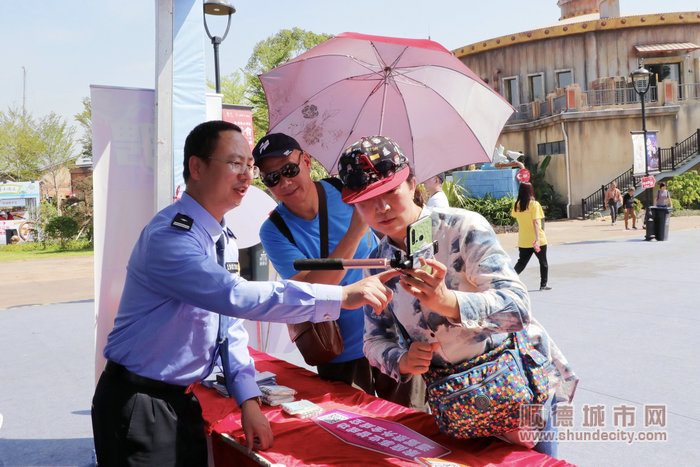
(390, 438)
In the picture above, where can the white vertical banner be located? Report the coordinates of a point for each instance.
(123, 121)
(646, 159)
(639, 167)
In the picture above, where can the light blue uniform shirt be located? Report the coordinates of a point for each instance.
(167, 324)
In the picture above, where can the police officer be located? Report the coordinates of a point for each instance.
(180, 311)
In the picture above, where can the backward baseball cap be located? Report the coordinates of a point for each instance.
(274, 145)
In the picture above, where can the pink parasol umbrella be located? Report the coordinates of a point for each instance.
(411, 90)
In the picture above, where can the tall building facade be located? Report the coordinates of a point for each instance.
(570, 84)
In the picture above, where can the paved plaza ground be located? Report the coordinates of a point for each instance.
(624, 312)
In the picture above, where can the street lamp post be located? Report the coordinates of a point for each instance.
(217, 8)
(24, 92)
(640, 81)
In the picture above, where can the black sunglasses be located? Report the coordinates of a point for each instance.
(360, 171)
(288, 170)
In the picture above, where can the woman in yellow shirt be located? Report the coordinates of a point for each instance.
(531, 238)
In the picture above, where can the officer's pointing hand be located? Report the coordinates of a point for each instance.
(369, 291)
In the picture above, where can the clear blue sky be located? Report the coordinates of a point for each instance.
(67, 45)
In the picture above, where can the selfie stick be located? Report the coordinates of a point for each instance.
(334, 264)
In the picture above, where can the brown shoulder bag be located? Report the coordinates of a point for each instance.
(320, 342)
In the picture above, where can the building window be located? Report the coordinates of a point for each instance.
(662, 71)
(547, 149)
(564, 78)
(536, 82)
(510, 90)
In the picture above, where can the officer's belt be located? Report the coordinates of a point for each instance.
(121, 372)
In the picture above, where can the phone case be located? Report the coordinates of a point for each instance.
(419, 234)
(419, 239)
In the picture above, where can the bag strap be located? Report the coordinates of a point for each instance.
(276, 219)
(322, 219)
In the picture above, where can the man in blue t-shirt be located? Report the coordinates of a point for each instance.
(286, 170)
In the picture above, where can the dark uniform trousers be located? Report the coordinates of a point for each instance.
(137, 421)
(361, 375)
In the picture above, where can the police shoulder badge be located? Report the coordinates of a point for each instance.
(183, 222)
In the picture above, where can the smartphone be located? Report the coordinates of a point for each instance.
(419, 241)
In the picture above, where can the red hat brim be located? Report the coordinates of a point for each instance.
(377, 188)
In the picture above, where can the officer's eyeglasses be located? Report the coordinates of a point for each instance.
(360, 171)
(288, 170)
(240, 168)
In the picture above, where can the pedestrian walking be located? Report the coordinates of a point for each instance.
(531, 237)
(628, 204)
(663, 197)
(613, 199)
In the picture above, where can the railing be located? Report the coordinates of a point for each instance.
(596, 201)
(619, 96)
(688, 91)
(603, 97)
(559, 104)
(675, 156)
(522, 112)
(670, 159)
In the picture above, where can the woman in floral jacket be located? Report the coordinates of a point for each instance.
(469, 302)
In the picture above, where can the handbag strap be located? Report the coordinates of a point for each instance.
(322, 219)
(277, 219)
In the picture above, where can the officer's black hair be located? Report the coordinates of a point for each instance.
(202, 141)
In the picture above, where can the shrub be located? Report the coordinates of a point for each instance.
(495, 210)
(47, 211)
(61, 228)
(456, 193)
(685, 188)
(80, 244)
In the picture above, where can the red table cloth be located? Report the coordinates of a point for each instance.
(303, 442)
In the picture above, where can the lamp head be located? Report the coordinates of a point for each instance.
(640, 80)
(218, 7)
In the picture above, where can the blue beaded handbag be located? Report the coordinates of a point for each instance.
(485, 396)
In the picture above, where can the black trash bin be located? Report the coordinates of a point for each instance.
(662, 216)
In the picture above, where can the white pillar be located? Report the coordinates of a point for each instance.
(164, 104)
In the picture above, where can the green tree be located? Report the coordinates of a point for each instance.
(84, 118)
(20, 146)
(232, 87)
(685, 189)
(47, 211)
(267, 54)
(80, 207)
(30, 148)
(57, 150)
